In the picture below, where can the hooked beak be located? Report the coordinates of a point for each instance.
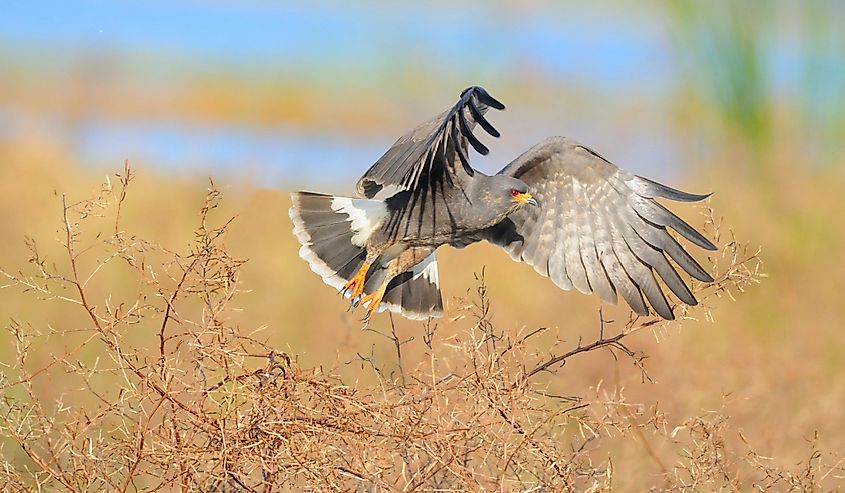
(526, 198)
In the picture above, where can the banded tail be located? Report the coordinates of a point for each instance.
(334, 233)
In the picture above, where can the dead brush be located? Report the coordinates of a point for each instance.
(165, 391)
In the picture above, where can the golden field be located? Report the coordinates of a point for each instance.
(768, 368)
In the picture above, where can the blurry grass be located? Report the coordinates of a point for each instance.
(764, 77)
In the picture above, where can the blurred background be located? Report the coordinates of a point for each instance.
(745, 99)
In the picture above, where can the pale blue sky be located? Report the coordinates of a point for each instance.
(572, 41)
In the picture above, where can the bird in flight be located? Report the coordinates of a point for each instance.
(560, 207)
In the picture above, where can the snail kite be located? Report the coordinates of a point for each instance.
(560, 207)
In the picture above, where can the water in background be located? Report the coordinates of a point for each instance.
(297, 94)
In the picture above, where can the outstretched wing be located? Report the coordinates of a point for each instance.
(432, 151)
(599, 228)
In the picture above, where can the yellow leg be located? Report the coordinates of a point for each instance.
(374, 300)
(355, 286)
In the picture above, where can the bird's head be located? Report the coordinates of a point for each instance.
(522, 197)
(494, 198)
(517, 193)
(510, 194)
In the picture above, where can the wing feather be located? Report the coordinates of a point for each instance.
(600, 228)
(434, 148)
(572, 248)
(659, 238)
(657, 214)
(602, 242)
(651, 189)
(641, 274)
(616, 270)
(657, 260)
(536, 254)
(540, 250)
(557, 266)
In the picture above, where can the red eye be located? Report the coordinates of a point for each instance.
(514, 192)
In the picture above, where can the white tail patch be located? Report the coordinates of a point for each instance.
(364, 215)
(427, 269)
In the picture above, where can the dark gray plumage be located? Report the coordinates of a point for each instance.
(560, 207)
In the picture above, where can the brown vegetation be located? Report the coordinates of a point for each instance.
(166, 390)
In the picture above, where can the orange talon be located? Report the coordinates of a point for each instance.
(355, 286)
(374, 300)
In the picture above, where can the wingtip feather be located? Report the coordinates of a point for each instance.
(651, 189)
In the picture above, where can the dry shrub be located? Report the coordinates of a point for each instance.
(163, 390)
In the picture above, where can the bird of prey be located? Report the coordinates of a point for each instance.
(560, 207)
